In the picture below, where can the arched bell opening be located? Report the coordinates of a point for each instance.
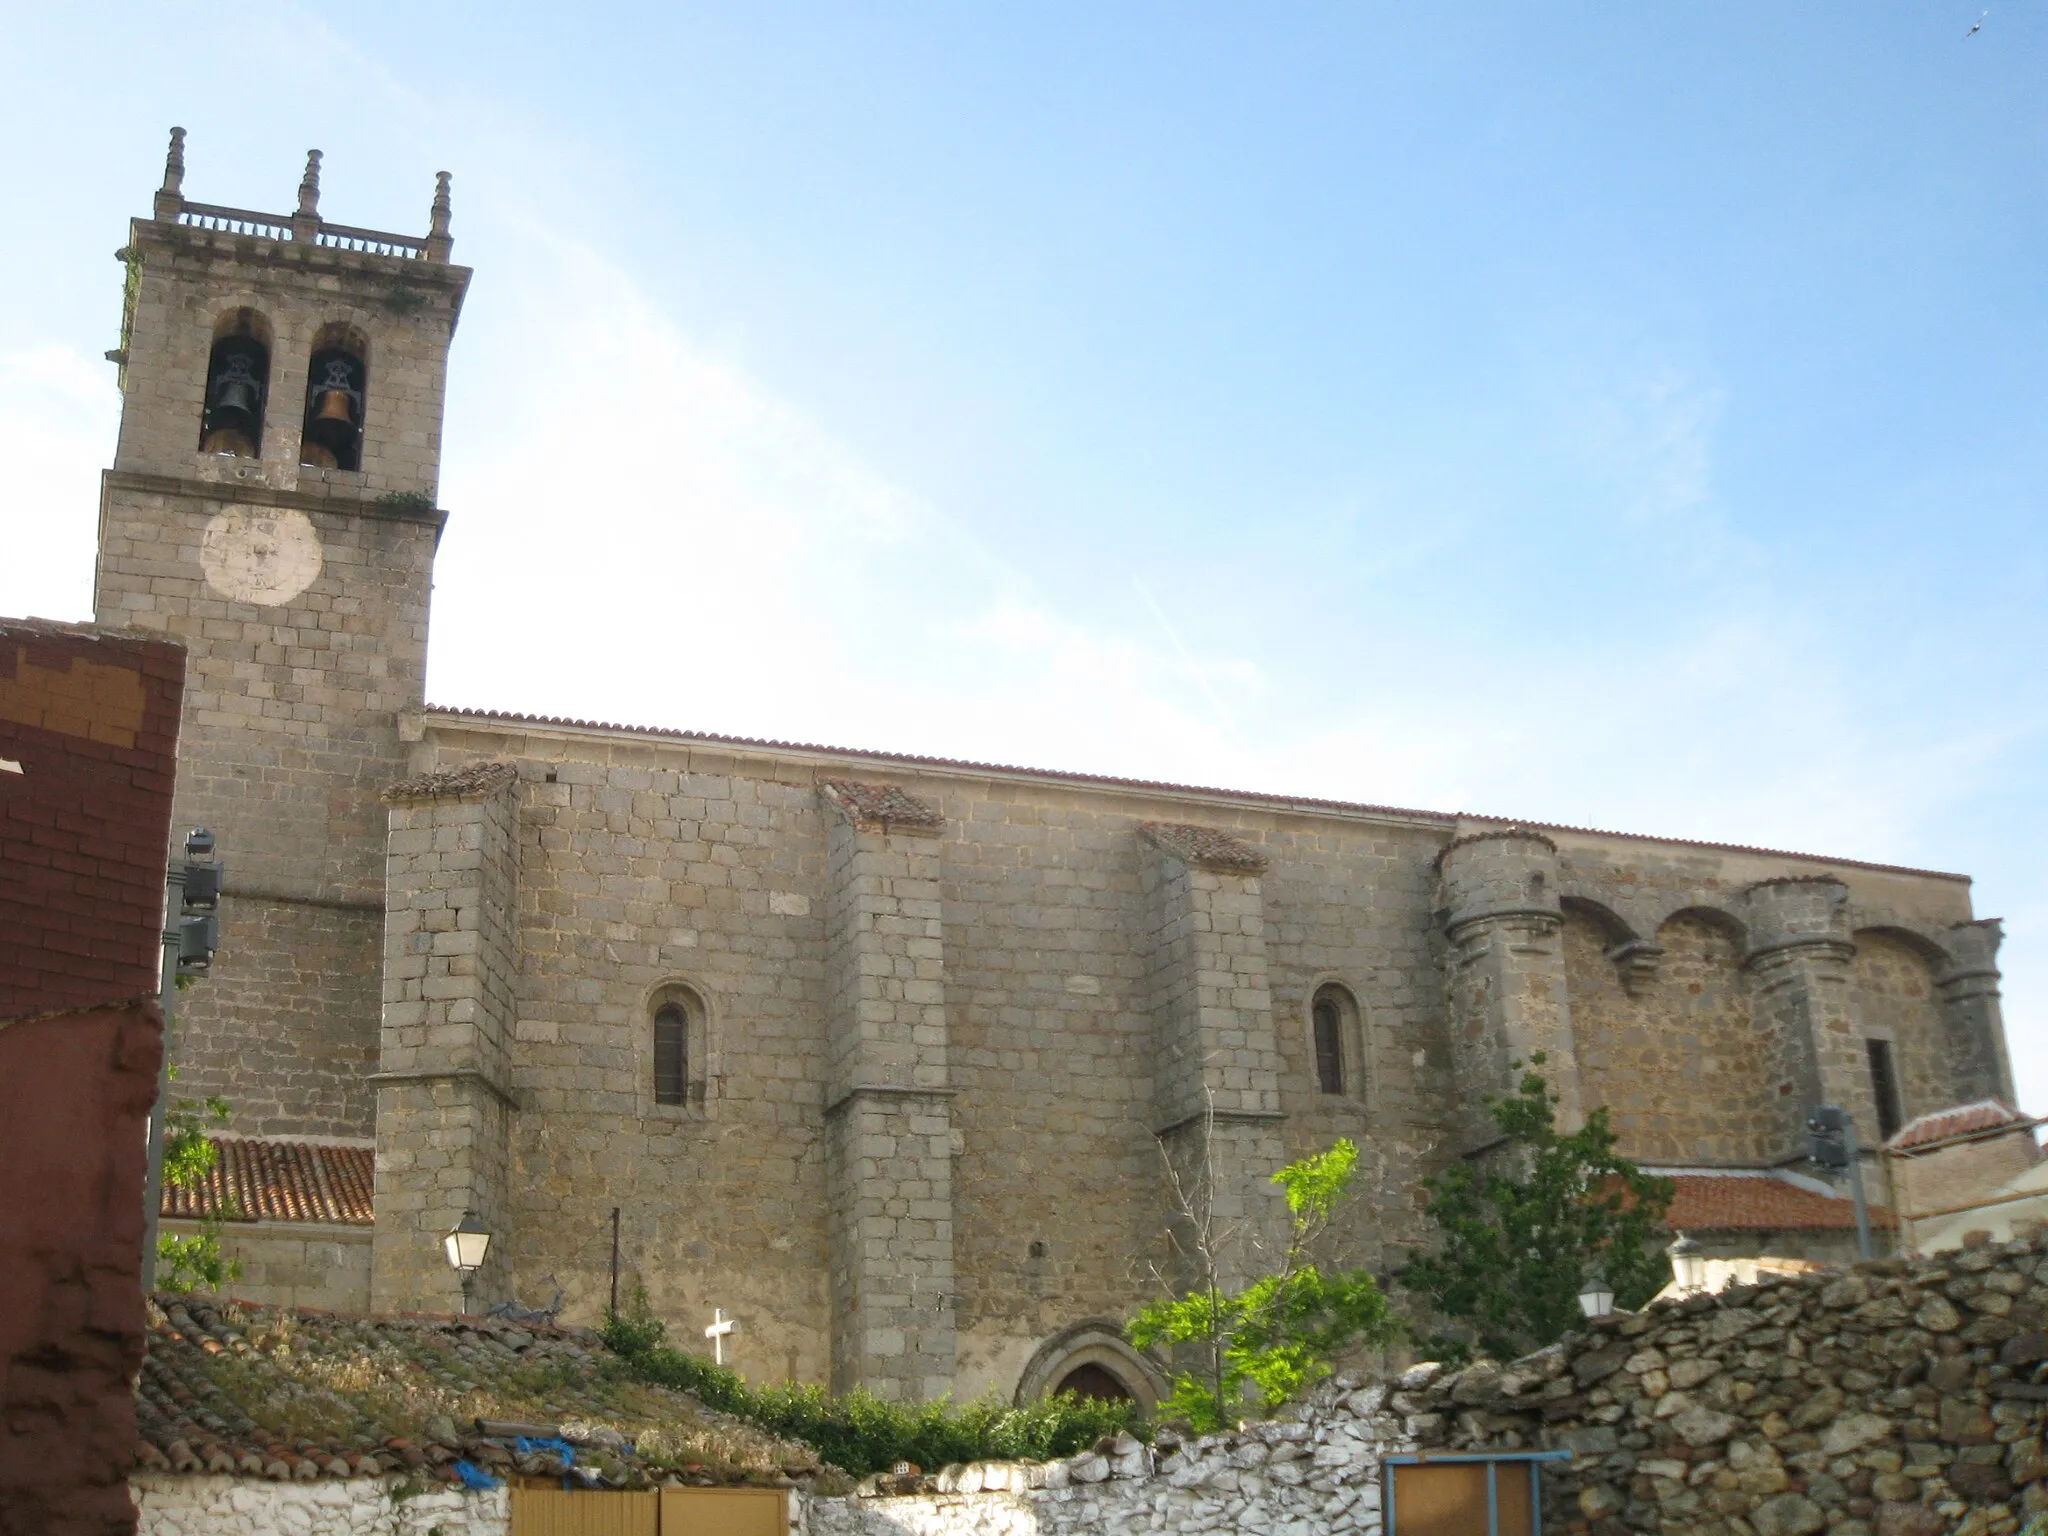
(337, 379)
(237, 386)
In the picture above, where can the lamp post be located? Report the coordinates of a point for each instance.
(466, 1244)
(1688, 1264)
(1596, 1296)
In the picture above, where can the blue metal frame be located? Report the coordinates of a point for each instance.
(1493, 1459)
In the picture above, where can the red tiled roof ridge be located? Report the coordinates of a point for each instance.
(1447, 819)
(256, 1179)
(1958, 1121)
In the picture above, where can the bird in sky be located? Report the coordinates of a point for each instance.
(1976, 26)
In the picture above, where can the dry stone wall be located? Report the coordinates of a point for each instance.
(1311, 1471)
(173, 1504)
(1894, 1399)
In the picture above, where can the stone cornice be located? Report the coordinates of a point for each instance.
(1834, 948)
(1494, 834)
(886, 1091)
(1458, 922)
(255, 494)
(497, 1090)
(372, 268)
(1223, 1117)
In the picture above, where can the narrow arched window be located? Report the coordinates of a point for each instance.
(337, 379)
(237, 386)
(1328, 1020)
(671, 1054)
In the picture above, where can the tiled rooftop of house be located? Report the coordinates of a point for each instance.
(1948, 1124)
(1742, 1200)
(280, 1181)
(303, 1395)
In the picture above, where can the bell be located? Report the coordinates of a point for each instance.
(334, 405)
(334, 411)
(234, 399)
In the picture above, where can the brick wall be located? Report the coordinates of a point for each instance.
(89, 726)
(88, 729)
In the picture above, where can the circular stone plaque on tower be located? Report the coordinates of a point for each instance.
(260, 555)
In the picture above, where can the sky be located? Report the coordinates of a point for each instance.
(1628, 417)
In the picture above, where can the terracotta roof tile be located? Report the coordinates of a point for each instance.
(1205, 846)
(471, 780)
(281, 1181)
(297, 1394)
(1759, 1202)
(1962, 1120)
(883, 803)
(1443, 819)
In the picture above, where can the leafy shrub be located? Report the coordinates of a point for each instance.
(1264, 1344)
(194, 1263)
(1517, 1240)
(860, 1432)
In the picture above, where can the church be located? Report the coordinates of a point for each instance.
(884, 1058)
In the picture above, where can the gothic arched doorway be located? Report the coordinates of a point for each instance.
(1096, 1381)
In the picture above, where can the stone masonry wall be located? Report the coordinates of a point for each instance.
(189, 279)
(292, 1263)
(291, 731)
(1892, 993)
(650, 863)
(1676, 1060)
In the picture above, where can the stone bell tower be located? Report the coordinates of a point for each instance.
(272, 504)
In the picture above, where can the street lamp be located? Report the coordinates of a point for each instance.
(466, 1244)
(1596, 1296)
(1688, 1264)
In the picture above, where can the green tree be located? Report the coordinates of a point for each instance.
(1275, 1336)
(1518, 1242)
(196, 1262)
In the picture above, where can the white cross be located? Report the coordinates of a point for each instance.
(721, 1327)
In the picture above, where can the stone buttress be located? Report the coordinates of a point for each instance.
(1216, 1084)
(1508, 995)
(1977, 1061)
(1799, 957)
(888, 1113)
(444, 1100)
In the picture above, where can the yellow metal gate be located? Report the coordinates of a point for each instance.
(668, 1512)
(1473, 1494)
